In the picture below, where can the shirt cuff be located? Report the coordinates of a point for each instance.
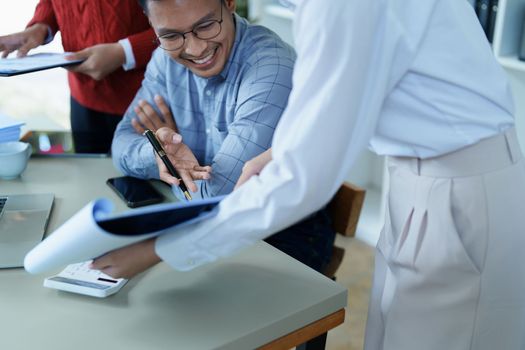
(179, 250)
(147, 161)
(49, 36)
(128, 51)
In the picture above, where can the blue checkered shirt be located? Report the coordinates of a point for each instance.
(225, 120)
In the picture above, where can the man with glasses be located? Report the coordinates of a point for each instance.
(225, 84)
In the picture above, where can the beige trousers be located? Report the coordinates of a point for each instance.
(450, 261)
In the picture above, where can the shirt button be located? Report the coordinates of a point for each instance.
(208, 93)
(207, 131)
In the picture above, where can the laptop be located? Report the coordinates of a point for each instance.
(23, 221)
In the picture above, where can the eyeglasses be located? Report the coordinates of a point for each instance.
(206, 30)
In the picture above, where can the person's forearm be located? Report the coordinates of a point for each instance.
(41, 30)
(132, 154)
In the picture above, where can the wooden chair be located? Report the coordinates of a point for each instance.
(345, 208)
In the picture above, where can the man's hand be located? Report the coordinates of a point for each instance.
(182, 158)
(23, 41)
(147, 117)
(128, 261)
(99, 60)
(254, 167)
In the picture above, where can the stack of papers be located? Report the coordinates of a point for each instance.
(9, 129)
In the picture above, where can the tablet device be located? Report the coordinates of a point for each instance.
(34, 63)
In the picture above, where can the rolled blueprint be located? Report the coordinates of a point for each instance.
(94, 231)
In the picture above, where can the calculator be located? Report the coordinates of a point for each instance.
(79, 278)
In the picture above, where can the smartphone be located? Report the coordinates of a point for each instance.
(135, 192)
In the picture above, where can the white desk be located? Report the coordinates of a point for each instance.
(242, 302)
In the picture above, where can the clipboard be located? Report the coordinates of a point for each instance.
(34, 63)
(157, 218)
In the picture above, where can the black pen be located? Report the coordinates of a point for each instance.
(162, 154)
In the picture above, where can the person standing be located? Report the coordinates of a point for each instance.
(416, 81)
(115, 40)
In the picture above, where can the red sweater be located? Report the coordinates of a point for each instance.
(85, 23)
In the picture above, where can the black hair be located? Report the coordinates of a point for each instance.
(144, 4)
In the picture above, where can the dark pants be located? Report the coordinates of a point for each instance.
(310, 241)
(92, 130)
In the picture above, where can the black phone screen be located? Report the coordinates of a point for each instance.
(135, 192)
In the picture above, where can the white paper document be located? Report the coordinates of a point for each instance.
(33, 63)
(94, 231)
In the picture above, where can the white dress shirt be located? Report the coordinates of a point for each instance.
(130, 62)
(410, 78)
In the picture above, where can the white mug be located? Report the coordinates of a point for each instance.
(13, 159)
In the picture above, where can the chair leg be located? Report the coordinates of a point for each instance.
(317, 343)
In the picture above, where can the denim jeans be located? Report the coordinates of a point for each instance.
(310, 241)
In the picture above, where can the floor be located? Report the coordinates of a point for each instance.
(355, 273)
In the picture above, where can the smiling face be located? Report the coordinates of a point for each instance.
(204, 57)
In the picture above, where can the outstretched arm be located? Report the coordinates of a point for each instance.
(23, 41)
(128, 261)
